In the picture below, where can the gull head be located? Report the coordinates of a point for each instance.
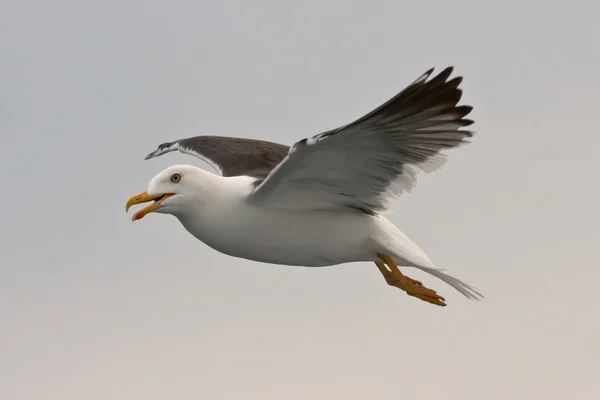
(171, 191)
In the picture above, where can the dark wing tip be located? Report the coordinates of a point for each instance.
(455, 82)
(162, 149)
(445, 74)
(466, 122)
(463, 111)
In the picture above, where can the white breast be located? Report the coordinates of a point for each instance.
(302, 238)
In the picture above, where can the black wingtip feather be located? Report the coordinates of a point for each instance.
(442, 76)
(455, 82)
(462, 111)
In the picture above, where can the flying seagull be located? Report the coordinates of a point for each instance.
(320, 202)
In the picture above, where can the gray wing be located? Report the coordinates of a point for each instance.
(229, 156)
(366, 163)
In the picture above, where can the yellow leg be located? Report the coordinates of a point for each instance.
(389, 275)
(412, 287)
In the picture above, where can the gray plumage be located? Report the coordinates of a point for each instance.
(361, 165)
(367, 162)
(229, 156)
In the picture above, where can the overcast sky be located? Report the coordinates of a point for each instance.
(95, 307)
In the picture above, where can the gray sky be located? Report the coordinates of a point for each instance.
(95, 307)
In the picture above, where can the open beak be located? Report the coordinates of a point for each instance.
(144, 198)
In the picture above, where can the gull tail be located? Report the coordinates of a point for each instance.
(408, 254)
(467, 290)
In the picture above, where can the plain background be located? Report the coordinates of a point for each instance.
(95, 307)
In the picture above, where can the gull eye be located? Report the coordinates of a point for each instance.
(175, 178)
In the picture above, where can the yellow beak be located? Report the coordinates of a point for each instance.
(144, 198)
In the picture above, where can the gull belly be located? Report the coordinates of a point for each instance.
(309, 238)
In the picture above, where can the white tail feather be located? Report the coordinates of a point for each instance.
(407, 253)
(463, 287)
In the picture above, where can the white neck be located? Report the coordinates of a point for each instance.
(213, 194)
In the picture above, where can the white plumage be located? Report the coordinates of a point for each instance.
(320, 202)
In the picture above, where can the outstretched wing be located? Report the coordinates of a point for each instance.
(229, 156)
(364, 164)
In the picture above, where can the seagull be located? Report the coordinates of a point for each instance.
(322, 201)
